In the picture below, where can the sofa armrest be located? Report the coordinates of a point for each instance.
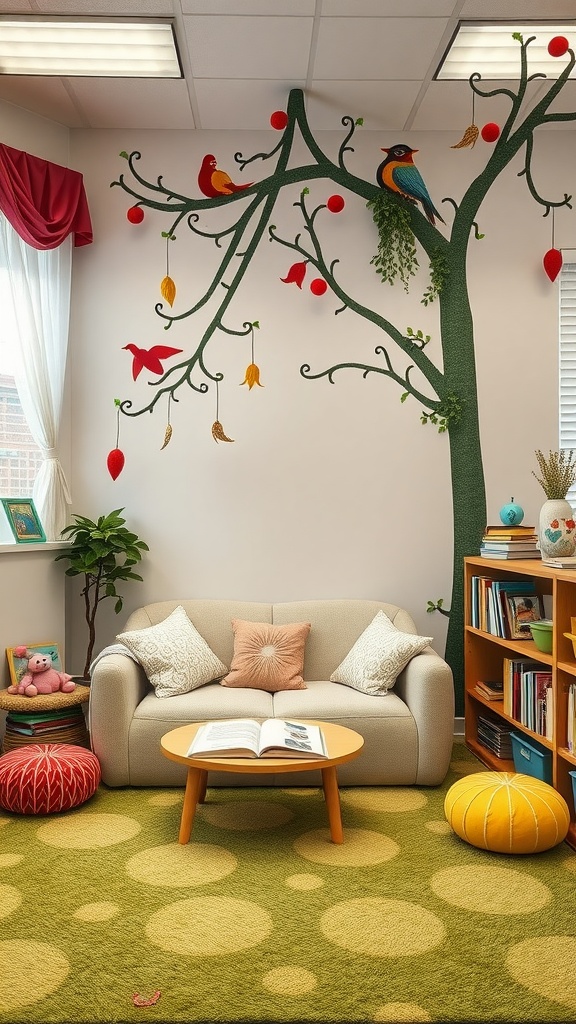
(427, 687)
(117, 687)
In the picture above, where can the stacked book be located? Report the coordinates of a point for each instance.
(509, 542)
(67, 725)
(490, 690)
(494, 734)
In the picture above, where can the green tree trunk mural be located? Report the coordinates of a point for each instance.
(448, 398)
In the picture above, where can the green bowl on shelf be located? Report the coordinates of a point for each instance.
(542, 635)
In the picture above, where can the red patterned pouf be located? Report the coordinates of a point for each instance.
(43, 778)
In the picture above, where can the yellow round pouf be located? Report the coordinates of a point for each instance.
(506, 812)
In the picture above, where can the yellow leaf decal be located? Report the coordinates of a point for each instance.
(167, 436)
(469, 137)
(168, 289)
(252, 377)
(218, 432)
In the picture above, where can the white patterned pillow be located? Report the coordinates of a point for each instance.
(378, 656)
(174, 656)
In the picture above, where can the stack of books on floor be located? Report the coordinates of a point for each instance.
(67, 725)
(494, 734)
(509, 542)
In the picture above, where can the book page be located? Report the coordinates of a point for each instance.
(294, 738)
(233, 734)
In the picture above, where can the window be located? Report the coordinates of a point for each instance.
(568, 363)
(20, 456)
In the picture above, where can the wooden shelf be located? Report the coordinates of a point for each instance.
(484, 654)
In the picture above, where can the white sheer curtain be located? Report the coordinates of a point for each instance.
(40, 282)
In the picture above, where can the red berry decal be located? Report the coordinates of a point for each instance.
(115, 462)
(490, 132)
(279, 120)
(335, 204)
(318, 286)
(557, 46)
(135, 214)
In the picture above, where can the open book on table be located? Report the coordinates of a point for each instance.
(245, 737)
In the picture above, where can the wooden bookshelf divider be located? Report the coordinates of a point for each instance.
(483, 659)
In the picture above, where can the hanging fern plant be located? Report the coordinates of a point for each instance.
(438, 275)
(396, 256)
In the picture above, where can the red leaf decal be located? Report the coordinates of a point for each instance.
(295, 274)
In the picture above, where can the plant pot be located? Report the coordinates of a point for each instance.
(556, 528)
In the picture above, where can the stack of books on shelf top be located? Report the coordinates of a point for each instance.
(509, 542)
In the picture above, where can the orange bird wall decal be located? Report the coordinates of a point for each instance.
(150, 359)
(214, 182)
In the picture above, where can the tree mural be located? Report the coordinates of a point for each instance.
(449, 399)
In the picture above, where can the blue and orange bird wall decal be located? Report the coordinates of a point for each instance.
(399, 174)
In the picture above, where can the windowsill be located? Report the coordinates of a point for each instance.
(48, 545)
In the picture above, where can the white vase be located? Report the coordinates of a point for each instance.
(556, 528)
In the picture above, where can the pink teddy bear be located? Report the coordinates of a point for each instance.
(40, 677)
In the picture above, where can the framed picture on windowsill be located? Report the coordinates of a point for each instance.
(24, 521)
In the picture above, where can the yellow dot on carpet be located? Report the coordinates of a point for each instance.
(10, 899)
(545, 965)
(209, 926)
(4, 821)
(88, 831)
(302, 791)
(464, 767)
(401, 1012)
(94, 912)
(570, 864)
(359, 849)
(166, 799)
(247, 816)
(8, 860)
(385, 799)
(441, 828)
(491, 889)
(304, 882)
(176, 866)
(382, 928)
(289, 981)
(30, 972)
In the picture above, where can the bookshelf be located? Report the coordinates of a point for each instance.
(484, 656)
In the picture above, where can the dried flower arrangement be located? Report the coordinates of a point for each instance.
(558, 472)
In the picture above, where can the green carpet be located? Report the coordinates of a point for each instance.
(262, 919)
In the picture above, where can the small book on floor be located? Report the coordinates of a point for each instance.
(245, 737)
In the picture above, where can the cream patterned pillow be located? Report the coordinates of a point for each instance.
(174, 656)
(378, 656)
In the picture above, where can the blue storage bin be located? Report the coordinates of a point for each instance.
(573, 777)
(530, 758)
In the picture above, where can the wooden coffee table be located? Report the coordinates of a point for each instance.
(342, 745)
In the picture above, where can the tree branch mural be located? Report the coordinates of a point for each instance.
(449, 399)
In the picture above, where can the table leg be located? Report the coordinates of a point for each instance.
(191, 794)
(332, 797)
(202, 787)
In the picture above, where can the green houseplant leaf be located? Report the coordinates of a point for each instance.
(103, 552)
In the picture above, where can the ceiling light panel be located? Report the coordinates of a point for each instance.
(103, 48)
(491, 50)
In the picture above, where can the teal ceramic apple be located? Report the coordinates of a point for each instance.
(511, 514)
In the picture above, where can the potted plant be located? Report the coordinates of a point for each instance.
(104, 552)
(556, 526)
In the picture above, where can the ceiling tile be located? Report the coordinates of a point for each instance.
(383, 105)
(359, 49)
(233, 47)
(17, 7)
(271, 7)
(121, 8)
(241, 105)
(394, 8)
(44, 96)
(447, 106)
(135, 103)
(503, 10)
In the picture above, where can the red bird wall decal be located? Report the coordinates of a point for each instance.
(213, 182)
(150, 358)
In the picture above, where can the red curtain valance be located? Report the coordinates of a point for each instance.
(44, 202)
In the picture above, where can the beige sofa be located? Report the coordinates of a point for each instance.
(408, 732)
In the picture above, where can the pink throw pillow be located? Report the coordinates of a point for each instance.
(268, 657)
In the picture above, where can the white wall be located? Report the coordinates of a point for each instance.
(329, 490)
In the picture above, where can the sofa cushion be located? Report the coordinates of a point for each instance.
(207, 703)
(378, 656)
(268, 657)
(174, 656)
